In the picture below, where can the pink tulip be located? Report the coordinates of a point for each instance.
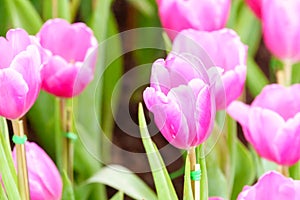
(281, 28)
(20, 65)
(71, 66)
(272, 123)
(255, 6)
(44, 179)
(204, 15)
(272, 186)
(181, 102)
(226, 51)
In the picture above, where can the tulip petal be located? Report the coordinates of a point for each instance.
(28, 63)
(13, 92)
(68, 41)
(287, 141)
(280, 99)
(263, 125)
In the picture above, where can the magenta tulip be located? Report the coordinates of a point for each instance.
(272, 123)
(281, 28)
(226, 52)
(44, 179)
(204, 15)
(255, 6)
(20, 65)
(72, 62)
(272, 186)
(181, 102)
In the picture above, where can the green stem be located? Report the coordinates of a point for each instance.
(287, 72)
(68, 148)
(21, 161)
(231, 142)
(204, 180)
(58, 135)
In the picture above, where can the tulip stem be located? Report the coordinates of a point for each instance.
(21, 161)
(284, 170)
(68, 148)
(204, 180)
(284, 76)
(194, 167)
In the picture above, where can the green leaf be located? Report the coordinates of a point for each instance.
(145, 7)
(68, 192)
(2, 194)
(118, 196)
(56, 9)
(244, 170)
(122, 179)
(256, 80)
(295, 171)
(163, 183)
(9, 176)
(23, 15)
(187, 187)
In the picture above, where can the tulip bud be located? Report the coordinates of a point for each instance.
(20, 65)
(181, 101)
(44, 179)
(204, 15)
(272, 123)
(271, 186)
(281, 28)
(71, 65)
(225, 51)
(255, 6)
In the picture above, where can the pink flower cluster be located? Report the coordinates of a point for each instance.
(205, 71)
(60, 59)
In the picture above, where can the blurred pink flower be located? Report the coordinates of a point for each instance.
(272, 186)
(255, 6)
(44, 179)
(20, 65)
(226, 52)
(215, 198)
(181, 101)
(205, 15)
(281, 28)
(272, 123)
(72, 62)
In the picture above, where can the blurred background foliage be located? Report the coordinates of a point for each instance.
(108, 18)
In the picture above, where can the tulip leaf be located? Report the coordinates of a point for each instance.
(187, 187)
(256, 80)
(68, 192)
(56, 9)
(23, 15)
(122, 179)
(118, 196)
(295, 171)
(163, 183)
(145, 7)
(9, 176)
(2, 194)
(244, 170)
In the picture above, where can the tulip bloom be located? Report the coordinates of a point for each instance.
(72, 62)
(272, 123)
(226, 52)
(205, 15)
(272, 186)
(181, 102)
(20, 65)
(44, 179)
(282, 31)
(255, 6)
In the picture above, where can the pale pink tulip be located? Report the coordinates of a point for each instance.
(281, 28)
(255, 6)
(205, 15)
(272, 186)
(226, 52)
(20, 65)
(44, 179)
(181, 101)
(71, 66)
(272, 123)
